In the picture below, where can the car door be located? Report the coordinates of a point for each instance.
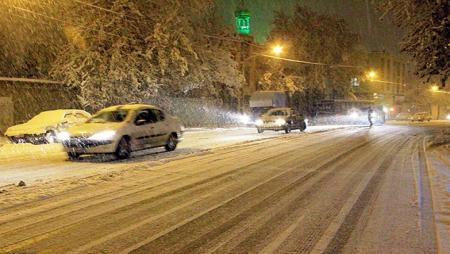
(142, 129)
(160, 127)
(293, 118)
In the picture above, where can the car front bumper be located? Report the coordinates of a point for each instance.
(83, 145)
(270, 126)
(28, 138)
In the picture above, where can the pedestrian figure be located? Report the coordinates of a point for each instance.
(369, 115)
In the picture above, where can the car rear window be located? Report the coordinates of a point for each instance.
(116, 116)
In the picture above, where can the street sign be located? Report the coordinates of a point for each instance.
(242, 21)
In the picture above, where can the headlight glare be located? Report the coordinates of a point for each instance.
(259, 122)
(62, 136)
(354, 115)
(104, 135)
(280, 122)
(244, 119)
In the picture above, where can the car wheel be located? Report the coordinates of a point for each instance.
(302, 126)
(123, 150)
(260, 130)
(287, 129)
(172, 143)
(50, 137)
(73, 155)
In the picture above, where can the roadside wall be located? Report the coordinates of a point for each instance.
(6, 113)
(198, 112)
(19, 101)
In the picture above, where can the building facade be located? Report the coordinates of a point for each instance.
(394, 76)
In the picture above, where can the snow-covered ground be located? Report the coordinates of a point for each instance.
(196, 138)
(336, 191)
(29, 163)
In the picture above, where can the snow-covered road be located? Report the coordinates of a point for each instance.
(30, 163)
(352, 190)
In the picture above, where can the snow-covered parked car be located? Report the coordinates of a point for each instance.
(43, 128)
(277, 119)
(122, 129)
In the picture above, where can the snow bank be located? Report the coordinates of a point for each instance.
(438, 164)
(3, 141)
(29, 151)
(194, 138)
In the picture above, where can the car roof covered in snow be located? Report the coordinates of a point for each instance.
(129, 107)
(55, 115)
(64, 110)
(61, 112)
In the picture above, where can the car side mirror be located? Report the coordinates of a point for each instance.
(140, 122)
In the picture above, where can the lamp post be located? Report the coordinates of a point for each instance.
(274, 51)
(372, 75)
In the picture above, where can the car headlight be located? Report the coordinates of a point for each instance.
(62, 136)
(259, 122)
(104, 135)
(448, 117)
(280, 122)
(354, 115)
(244, 119)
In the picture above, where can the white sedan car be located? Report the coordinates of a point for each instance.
(42, 128)
(120, 130)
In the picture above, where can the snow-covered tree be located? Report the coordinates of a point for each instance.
(131, 50)
(27, 40)
(312, 37)
(427, 39)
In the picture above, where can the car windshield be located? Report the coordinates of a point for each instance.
(276, 113)
(46, 117)
(116, 116)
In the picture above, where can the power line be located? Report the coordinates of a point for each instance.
(64, 22)
(232, 40)
(104, 9)
(205, 35)
(29, 19)
(311, 63)
(387, 82)
(30, 80)
(97, 7)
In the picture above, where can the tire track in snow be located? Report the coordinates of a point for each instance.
(276, 155)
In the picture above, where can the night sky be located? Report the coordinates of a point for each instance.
(359, 14)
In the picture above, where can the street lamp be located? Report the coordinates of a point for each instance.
(371, 75)
(435, 88)
(277, 50)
